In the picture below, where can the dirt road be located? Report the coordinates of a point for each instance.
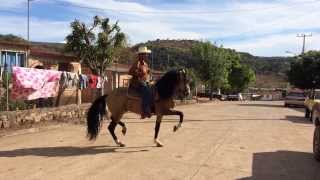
(247, 140)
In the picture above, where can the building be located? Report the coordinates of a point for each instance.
(44, 56)
(52, 56)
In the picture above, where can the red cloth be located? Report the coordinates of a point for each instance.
(93, 80)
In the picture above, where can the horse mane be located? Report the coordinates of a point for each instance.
(166, 85)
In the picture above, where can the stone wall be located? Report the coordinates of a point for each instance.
(27, 118)
(68, 113)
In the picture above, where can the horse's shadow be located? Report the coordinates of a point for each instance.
(65, 151)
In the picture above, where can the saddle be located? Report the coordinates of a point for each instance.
(134, 95)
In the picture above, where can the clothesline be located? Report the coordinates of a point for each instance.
(81, 81)
(31, 83)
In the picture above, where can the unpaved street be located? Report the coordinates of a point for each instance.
(228, 140)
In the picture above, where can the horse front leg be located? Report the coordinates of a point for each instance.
(180, 114)
(156, 131)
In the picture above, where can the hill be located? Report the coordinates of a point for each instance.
(167, 54)
(170, 53)
(270, 71)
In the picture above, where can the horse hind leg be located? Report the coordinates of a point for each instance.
(112, 127)
(124, 128)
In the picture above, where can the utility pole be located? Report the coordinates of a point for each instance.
(28, 32)
(303, 36)
(28, 21)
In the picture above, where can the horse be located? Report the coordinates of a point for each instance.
(118, 102)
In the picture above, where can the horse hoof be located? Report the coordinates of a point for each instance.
(158, 143)
(124, 131)
(121, 144)
(175, 128)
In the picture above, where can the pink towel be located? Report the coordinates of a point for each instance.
(29, 83)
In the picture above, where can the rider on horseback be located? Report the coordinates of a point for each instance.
(140, 73)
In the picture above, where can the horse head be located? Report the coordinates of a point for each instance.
(174, 82)
(183, 86)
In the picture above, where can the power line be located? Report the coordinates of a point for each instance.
(303, 36)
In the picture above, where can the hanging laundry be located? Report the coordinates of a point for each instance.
(30, 84)
(75, 80)
(63, 80)
(68, 80)
(93, 80)
(83, 81)
(1, 73)
(101, 81)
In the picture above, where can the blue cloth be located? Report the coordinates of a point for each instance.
(83, 81)
(146, 95)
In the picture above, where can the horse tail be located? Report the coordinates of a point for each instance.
(95, 117)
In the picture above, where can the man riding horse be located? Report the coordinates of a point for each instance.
(140, 73)
(117, 102)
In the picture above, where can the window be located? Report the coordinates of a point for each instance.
(8, 59)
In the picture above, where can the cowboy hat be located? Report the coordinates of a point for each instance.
(144, 50)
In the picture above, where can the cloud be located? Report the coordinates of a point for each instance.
(12, 3)
(40, 30)
(254, 26)
(110, 5)
(144, 31)
(276, 45)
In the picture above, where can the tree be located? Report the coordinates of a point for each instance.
(304, 71)
(240, 77)
(125, 55)
(11, 37)
(95, 45)
(213, 66)
(194, 79)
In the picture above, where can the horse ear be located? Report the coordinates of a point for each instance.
(182, 71)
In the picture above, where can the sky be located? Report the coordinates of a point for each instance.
(259, 27)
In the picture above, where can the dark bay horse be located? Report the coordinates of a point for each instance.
(118, 102)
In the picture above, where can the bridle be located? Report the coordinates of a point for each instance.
(182, 73)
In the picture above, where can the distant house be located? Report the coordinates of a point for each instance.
(52, 56)
(40, 55)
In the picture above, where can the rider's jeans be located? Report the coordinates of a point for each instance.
(146, 96)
